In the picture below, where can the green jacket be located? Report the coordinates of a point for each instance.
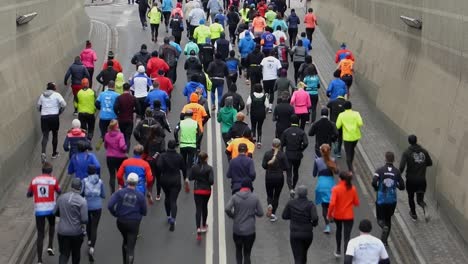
(270, 17)
(85, 101)
(191, 46)
(351, 122)
(154, 15)
(188, 133)
(227, 117)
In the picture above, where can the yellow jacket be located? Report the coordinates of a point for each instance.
(154, 15)
(351, 122)
(201, 33)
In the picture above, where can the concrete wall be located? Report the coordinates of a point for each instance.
(416, 78)
(32, 55)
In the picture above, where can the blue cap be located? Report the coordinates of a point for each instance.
(202, 21)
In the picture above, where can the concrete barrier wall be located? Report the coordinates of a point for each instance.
(32, 55)
(416, 78)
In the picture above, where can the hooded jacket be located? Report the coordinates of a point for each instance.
(238, 129)
(72, 209)
(170, 164)
(227, 117)
(324, 131)
(303, 216)
(300, 100)
(93, 191)
(142, 56)
(79, 164)
(237, 101)
(155, 64)
(282, 115)
(190, 88)
(140, 84)
(293, 20)
(51, 103)
(70, 143)
(119, 82)
(243, 207)
(415, 159)
(294, 139)
(77, 71)
(246, 45)
(115, 145)
(107, 75)
(88, 57)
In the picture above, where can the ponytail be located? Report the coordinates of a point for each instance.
(325, 151)
(347, 177)
(273, 159)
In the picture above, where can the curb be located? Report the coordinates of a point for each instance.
(99, 4)
(25, 251)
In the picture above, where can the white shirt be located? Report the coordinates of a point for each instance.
(50, 103)
(195, 16)
(140, 85)
(270, 68)
(366, 249)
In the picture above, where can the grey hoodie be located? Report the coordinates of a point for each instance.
(73, 212)
(243, 207)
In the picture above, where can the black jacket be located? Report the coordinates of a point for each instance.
(161, 117)
(142, 56)
(77, 71)
(217, 70)
(294, 139)
(237, 101)
(202, 175)
(415, 160)
(274, 171)
(206, 53)
(324, 131)
(336, 107)
(233, 18)
(222, 47)
(143, 127)
(170, 164)
(106, 75)
(282, 115)
(192, 64)
(238, 129)
(303, 216)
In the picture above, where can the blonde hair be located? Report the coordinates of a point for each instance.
(301, 85)
(113, 125)
(276, 147)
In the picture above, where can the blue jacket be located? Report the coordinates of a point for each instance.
(240, 167)
(167, 6)
(386, 181)
(105, 102)
(281, 23)
(93, 191)
(246, 46)
(269, 40)
(312, 84)
(157, 94)
(79, 164)
(190, 88)
(221, 19)
(232, 65)
(127, 204)
(336, 88)
(74, 136)
(306, 43)
(293, 20)
(77, 71)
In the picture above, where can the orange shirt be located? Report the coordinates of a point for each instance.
(342, 202)
(346, 67)
(198, 113)
(310, 20)
(233, 147)
(259, 24)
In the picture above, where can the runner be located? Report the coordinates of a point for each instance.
(223, 46)
(201, 32)
(143, 6)
(281, 52)
(342, 53)
(346, 66)
(307, 65)
(154, 16)
(243, 207)
(232, 150)
(178, 10)
(206, 54)
(166, 8)
(385, 182)
(155, 64)
(233, 64)
(213, 6)
(310, 21)
(270, 16)
(169, 54)
(202, 175)
(246, 46)
(160, 116)
(259, 25)
(141, 57)
(72, 209)
(233, 20)
(282, 114)
(165, 83)
(215, 30)
(312, 82)
(194, 19)
(336, 87)
(253, 61)
(324, 131)
(124, 107)
(300, 100)
(416, 159)
(116, 151)
(275, 163)
(227, 117)
(93, 191)
(218, 71)
(351, 122)
(177, 26)
(88, 57)
(238, 102)
(283, 84)
(160, 95)
(299, 53)
(140, 84)
(77, 71)
(325, 168)
(199, 113)
(295, 141)
(336, 108)
(117, 65)
(293, 22)
(268, 41)
(270, 67)
(85, 104)
(192, 66)
(78, 165)
(107, 75)
(344, 198)
(303, 215)
(239, 127)
(365, 248)
(257, 105)
(74, 135)
(188, 137)
(128, 206)
(141, 131)
(43, 189)
(105, 102)
(153, 147)
(170, 164)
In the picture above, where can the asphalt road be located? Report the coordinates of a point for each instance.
(157, 244)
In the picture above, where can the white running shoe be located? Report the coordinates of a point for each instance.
(273, 218)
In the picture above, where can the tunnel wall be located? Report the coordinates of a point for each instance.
(32, 55)
(417, 79)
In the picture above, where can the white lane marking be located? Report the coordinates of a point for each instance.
(209, 251)
(220, 181)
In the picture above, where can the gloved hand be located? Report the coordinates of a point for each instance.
(292, 193)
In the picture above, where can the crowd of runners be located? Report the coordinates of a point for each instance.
(254, 47)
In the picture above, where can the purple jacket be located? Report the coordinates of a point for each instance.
(114, 142)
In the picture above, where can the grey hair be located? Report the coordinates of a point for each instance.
(301, 191)
(228, 101)
(276, 147)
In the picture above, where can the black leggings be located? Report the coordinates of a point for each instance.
(297, 64)
(88, 122)
(157, 176)
(273, 190)
(188, 154)
(129, 231)
(418, 190)
(171, 192)
(384, 218)
(257, 124)
(92, 226)
(309, 32)
(91, 74)
(292, 36)
(294, 166)
(40, 226)
(348, 226)
(113, 164)
(50, 123)
(244, 246)
(201, 205)
(349, 147)
(232, 33)
(325, 212)
(126, 127)
(142, 17)
(103, 126)
(303, 119)
(269, 86)
(154, 32)
(313, 110)
(70, 245)
(167, 16)
(141, 107)
(299, 247)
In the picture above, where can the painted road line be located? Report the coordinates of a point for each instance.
(220, 180)
(209, 251)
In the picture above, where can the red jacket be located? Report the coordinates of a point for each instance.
(342, 202)
(154, 65)
(141, 168)
(342, 53)
(117, 66)
(165, 83)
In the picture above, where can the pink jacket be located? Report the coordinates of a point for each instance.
(301, 102)
(114, 142)
(88, 57)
